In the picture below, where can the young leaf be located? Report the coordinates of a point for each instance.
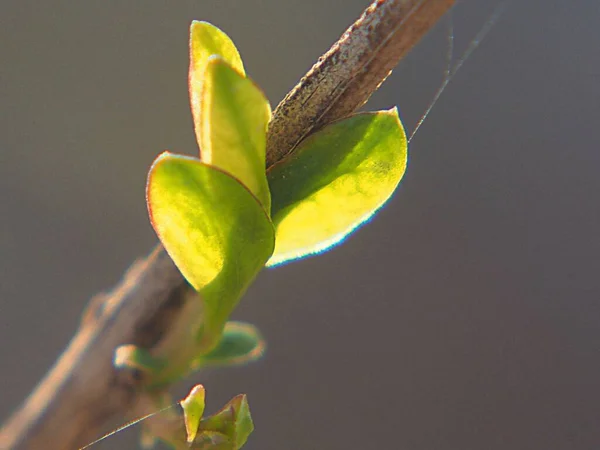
(213, 228)
(233, 421)
(193, 408)
(239, 344)
(133, 357)
(207, 40)
(234, 115)
(336, 180)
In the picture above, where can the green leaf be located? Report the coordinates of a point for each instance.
(193, 408)
(133, 357)
(233, 420)
(234, 115)
(240, 343)
(207, 40)
(335, 181)
(213, 228)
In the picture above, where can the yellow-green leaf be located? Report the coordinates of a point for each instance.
(233, 129)
(207, 40)
(213, 228)
(193, 409)
(336, 180)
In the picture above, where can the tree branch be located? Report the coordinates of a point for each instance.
(345, 77)
(83, 390)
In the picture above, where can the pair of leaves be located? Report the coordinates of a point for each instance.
(221, 218)
(212, 214)
(228, 429)
(239, 343)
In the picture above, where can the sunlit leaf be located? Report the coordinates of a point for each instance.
(240, 343)
(213, 228)
(207, 40)
(233, 130)
(193, 409)
(336, 180)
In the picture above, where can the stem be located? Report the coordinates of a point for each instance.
(82, 391)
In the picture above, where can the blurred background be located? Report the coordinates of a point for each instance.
(466, 315)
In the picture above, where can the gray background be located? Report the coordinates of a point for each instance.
(465, 316)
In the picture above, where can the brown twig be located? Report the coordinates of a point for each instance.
(345, 77)
(83, 390)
